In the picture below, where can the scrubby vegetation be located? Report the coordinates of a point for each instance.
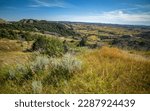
(16, 35)
(39, 26)
(40, 72)
(99, 59)
(50, 46)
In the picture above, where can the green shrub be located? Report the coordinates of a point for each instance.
(26, 36)
(23, 72)
(63, 68)
(48, 70)
(39, 63)
(70, 63)
(20, 73)
(50, 46)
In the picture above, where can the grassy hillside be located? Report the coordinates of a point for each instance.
(106, 70)
(115, 71)
(35, 62)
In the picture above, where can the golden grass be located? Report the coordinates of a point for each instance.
(11, 52)
(12, 58)
(9, 45)
(110, 70)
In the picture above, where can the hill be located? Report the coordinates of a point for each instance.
(2, 21)
(40, 26)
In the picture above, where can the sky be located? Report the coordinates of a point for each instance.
(133, 12)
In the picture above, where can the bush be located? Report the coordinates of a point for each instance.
(67, 63)
(39, 63)
(50, 46)
(63, 68)
(48, 70)
(25, 36)
(20, 73)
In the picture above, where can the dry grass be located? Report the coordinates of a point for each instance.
(11, 52)
(110, 70)
(12, 58)
(14, 45)
(9, 45)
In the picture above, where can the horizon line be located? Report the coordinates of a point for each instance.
(107, 23)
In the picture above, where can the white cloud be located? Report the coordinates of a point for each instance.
(115, 17)
(132, 17)
(48, 3)
(127, 18)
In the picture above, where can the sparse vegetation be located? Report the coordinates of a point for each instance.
(16, 35)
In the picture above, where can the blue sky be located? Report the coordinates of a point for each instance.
(136, 12)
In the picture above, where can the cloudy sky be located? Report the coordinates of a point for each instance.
(135, 12)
